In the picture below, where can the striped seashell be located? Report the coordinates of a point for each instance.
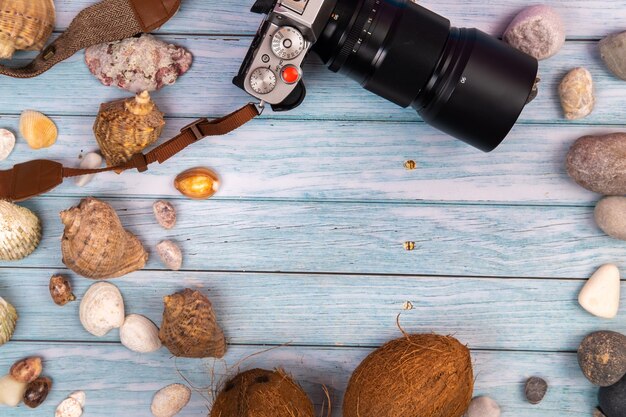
(25, 25)
(20, 231)
(8, 320)
(38, 129)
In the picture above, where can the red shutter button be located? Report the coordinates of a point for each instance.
(290, 74)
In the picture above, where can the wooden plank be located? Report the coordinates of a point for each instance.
(330, 310)
(361, 238)
(69, 89)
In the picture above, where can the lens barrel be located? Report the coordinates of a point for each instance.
(461, 81)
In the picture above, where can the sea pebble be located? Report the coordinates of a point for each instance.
(596, 163)
(72, 406)
(598, 413)
(613, 399)
(7, 143)
(613, 53)
(610, 216)
(483, 407)
(535, 389)
(602, 357)
(170, 254)
(165, 213)
(92, 160)
(600, 294)
(138, 64)
(169, 401)
(537, 30)
(576, 93)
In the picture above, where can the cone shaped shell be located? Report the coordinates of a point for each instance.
(102, 309)
(8, 320)
(262, 393)
(25, 25)
(20, 231)
(38, 129)
(189, 327)
(124, 128)
(94, 243)
(417, 375)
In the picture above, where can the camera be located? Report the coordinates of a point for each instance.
(462, 81)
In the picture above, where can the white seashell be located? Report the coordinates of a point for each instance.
(102, 309)
(8, 320)
(20, 231)
(38, 129)
(139, 334)
(80, 397)
(170, 400)
(11, 391)
(92, 160)
(170, 254)
(69, 407)
(7, 143)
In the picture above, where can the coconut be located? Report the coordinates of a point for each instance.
(421, 375)
(262, 393)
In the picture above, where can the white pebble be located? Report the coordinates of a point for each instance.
(600, 295)
(170, 400)
(92, 160)
(483, 407)
(7, 143)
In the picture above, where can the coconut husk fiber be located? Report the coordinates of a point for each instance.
(262, 393)
(421, 375)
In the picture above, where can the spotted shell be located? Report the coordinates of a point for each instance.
(38, 129)
(20, 231)
(102, 309)
(8, 320)
(25, 25)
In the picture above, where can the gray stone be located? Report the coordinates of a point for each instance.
(537, 30)
(610, 215)
(483, 407)
(613, 399)
(613, 53)
(535, 389)
(602, 357)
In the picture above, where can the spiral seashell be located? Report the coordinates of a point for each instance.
(38, 129)
(20, 231)
(139, 334)
(25, 25)
(8, 320)
(102, 309)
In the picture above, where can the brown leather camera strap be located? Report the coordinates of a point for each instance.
(33, 178)
(107, 21)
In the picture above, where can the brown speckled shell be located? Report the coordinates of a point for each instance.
(189, 327)
(25, 25)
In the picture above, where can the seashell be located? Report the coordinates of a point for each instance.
(37, 392)
(7, 143)
(102, 309)
(92, 160)
(170, 255)
(20, 231)
(576, 92)
(61, 290)
(124, 128)
(69, 407)
(170, 400)
(94, 243)
(8, 320)
(38, 129)
(80, 397)
(197, 183)
(25, 25)
(165, 213)
(189, 328)
(138, 64)
(11, 391)
(139, 334)
(26, 370)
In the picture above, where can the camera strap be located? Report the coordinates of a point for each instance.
(107, 21)
(33, 178)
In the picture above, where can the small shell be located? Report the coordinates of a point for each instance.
(7, 143)
(169, 401)
(80, 397)
(8, 320)
(170, 254)
(139, 334)
(38, 130)
(26, 25)
(11, 391)
(197, 183)
(69, 408)
(20, 231)
(61, 290)
(165, 213)
(92, 160)
(102, 309)
(576, 92)
(37, 392)
(26, 370)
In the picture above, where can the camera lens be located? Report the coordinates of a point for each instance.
(462, 81)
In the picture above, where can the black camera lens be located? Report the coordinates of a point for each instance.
(462, 81)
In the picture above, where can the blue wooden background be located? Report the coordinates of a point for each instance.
(303, 245)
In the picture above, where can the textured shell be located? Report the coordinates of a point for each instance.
(60, 290)
(25, 25)
(38, 129)
(165, 213)
(169, 401)
(102, 309)
(26, 370)
(576, 93)
(189, 327)
(124, 128)
(139, 334)
(94, 243)
(69, 407)
(7, 143)
(20, 231)
(8, 320)
(197, 183)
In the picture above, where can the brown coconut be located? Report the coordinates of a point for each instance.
(422, 375)
(262, 393)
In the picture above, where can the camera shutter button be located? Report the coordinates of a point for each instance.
(290, 74)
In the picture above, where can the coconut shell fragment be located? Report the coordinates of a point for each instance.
(189, 327)
(262, 393)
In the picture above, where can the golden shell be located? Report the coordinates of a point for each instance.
(25, 25)
(95, 244)
(124, 128)
(38, 129)
(8, 320)
(197, 183)
(20, 231)
(189, 327)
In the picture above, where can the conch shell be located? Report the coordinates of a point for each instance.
(8, 320)
(95, 245)
(25, 25)
(124, 128)
(20, 231)
(102, 309)
(189, 328)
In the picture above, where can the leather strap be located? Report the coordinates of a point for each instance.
(107, 21)
(33, 178)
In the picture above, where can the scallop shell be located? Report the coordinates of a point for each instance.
(124, 128)
(189, 327)
(7, 143)
(94, 243)
(102, 309)
(38, 129)
(20, 231)
(8, 320)
(170, 400)
(25, 25)
(139, 334)
(197, 183)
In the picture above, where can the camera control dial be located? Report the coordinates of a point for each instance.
(263, 80)
(287, 43)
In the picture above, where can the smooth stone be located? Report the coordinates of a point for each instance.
(483, 407)
(598, 413)
(601, 293)
(535, 389)
(602, 357)
(613, 399)
(613, 53)
(92, 160)
(596, 163)
(170, 254)
(576, 94)
(610, 216)
(538, 31)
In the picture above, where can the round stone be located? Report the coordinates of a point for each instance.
(602, 357)
(535, 389)
(538, 31)
(613, 53)
(613, 399)
(483, 407)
